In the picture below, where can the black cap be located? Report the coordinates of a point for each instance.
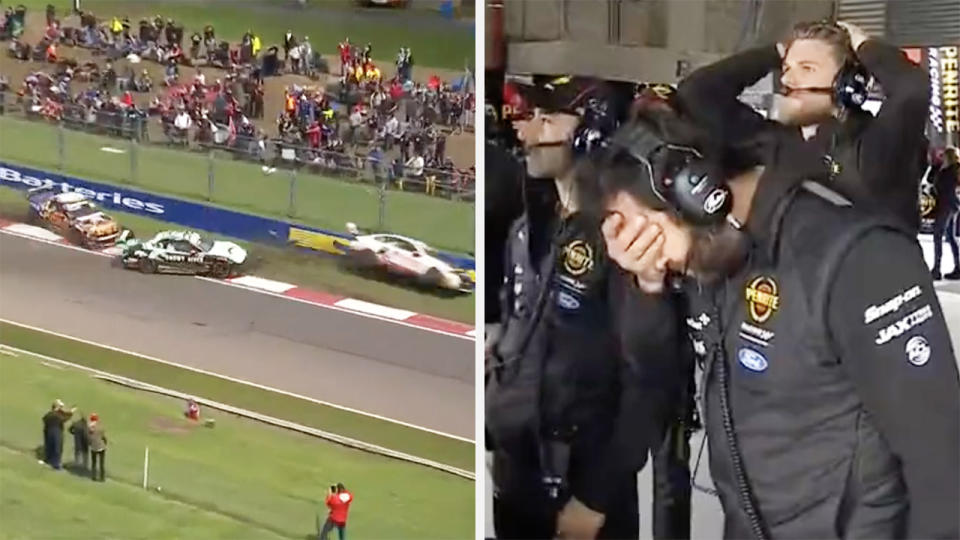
(570, 94)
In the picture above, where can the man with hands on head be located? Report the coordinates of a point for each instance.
(831, 396)
(823, 70)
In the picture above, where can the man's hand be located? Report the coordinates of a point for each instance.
(577, 522)
(637, 246)
(857, 35)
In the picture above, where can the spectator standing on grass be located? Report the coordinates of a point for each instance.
(338, 503)
(53, 433)
(98, 448)
(289, 42)
(306, 53)
(81, 442)
(295, 55)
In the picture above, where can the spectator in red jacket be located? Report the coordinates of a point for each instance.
(314, 135)
(396, 90)
(338, 501)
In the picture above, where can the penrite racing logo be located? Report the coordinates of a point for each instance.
(577, 258)
(763, 298)
(116, 198)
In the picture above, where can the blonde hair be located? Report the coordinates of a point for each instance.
(834, 35)
(950, 156)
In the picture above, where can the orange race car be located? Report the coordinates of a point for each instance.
(74, 216)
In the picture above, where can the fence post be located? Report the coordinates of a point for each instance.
(61, 141)
(146, 465)
(133, 161)
(291, 207)
(382, 212)
(210, 175)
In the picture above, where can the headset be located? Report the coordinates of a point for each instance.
(687, 182)
(597, 124)
(849, 89)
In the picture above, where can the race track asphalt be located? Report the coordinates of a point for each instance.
(375, 366)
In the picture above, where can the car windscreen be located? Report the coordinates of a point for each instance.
(206, 244)
(80, 211)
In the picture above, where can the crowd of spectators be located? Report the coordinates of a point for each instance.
(398, 126)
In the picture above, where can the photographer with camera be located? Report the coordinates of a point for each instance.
(338, 503)
(830, 390)
(823, 70)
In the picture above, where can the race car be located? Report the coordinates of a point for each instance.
(73, 216)
(182, 252)
(404, 257)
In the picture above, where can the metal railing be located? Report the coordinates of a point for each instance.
(267, 176)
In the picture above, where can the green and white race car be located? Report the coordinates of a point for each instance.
(181, 252)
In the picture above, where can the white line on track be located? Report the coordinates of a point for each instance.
(240, 381)
(256, 290)
(336, 308)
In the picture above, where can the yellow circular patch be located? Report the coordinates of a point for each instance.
(927, 204)
(762, 298)
(578, 258)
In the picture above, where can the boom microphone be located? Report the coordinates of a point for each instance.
(816, 89)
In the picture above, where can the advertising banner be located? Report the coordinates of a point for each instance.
(943, 118)
(189, 214)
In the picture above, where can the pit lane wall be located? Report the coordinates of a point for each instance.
(191, 214)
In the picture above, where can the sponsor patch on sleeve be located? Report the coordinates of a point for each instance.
(918, 350)
(892, 305)
(907, 323)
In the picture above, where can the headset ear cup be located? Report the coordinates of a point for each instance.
(700, 196)
(850, 86)
(585, 139)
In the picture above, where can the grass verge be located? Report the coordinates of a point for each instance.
(319, 201)
(31, 491)
(303, 268)
(364, 428)
(240, 479)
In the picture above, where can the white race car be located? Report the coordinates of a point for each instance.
(404, 257)
(181, 252)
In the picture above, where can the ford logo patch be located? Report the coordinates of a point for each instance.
(752, 360)
(567, 301)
